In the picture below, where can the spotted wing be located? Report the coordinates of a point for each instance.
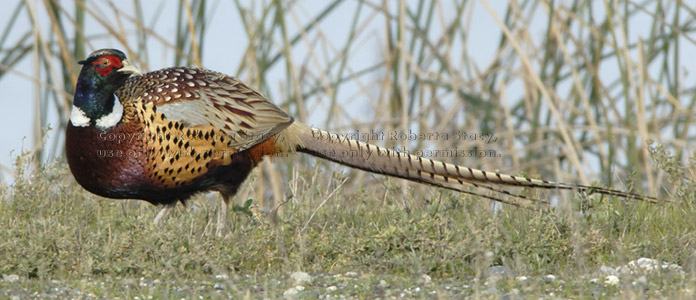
(201, 97)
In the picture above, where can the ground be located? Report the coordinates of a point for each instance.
(334, 240)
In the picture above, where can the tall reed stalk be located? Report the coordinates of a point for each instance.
(571, 91)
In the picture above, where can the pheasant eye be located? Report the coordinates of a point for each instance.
(105, 64)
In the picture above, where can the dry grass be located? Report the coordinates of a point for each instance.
(579, 101)
(571, 92)
(56, 234)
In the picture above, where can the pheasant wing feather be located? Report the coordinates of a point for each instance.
(202, 97)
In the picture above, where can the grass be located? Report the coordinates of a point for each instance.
(571, 92)
(56, 234)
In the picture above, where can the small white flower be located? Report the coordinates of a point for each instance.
(611, 280)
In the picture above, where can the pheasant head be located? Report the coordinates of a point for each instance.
(95, 104)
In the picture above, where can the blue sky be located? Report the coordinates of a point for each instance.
(225, 42)
(220, 54)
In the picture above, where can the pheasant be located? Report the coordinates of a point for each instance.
(166, 135)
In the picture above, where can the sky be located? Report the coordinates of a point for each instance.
(220, 53)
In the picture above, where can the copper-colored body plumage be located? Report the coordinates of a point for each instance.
(162, 160)
(186, 130)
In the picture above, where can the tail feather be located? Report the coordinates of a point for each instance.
(381, 160)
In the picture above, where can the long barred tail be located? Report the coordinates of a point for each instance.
(381, 160)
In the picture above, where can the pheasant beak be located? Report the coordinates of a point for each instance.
(129, 69)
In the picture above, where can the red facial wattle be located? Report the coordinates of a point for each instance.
(105, 64)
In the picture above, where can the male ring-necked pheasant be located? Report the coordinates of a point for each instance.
(166, 135)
